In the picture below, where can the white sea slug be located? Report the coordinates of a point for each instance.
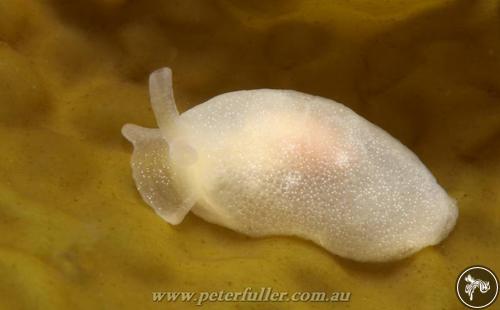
(280, 162)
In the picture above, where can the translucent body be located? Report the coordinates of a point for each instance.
(279, 162)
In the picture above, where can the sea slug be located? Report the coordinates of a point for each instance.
(280, 162)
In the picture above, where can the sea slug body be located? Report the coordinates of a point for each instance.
(280, 162)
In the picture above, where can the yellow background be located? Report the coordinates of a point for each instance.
(74, 232)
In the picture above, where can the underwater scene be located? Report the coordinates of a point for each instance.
(77, 227)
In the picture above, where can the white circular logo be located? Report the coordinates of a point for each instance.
(477, 287)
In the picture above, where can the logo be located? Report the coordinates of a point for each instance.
(477, 287)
